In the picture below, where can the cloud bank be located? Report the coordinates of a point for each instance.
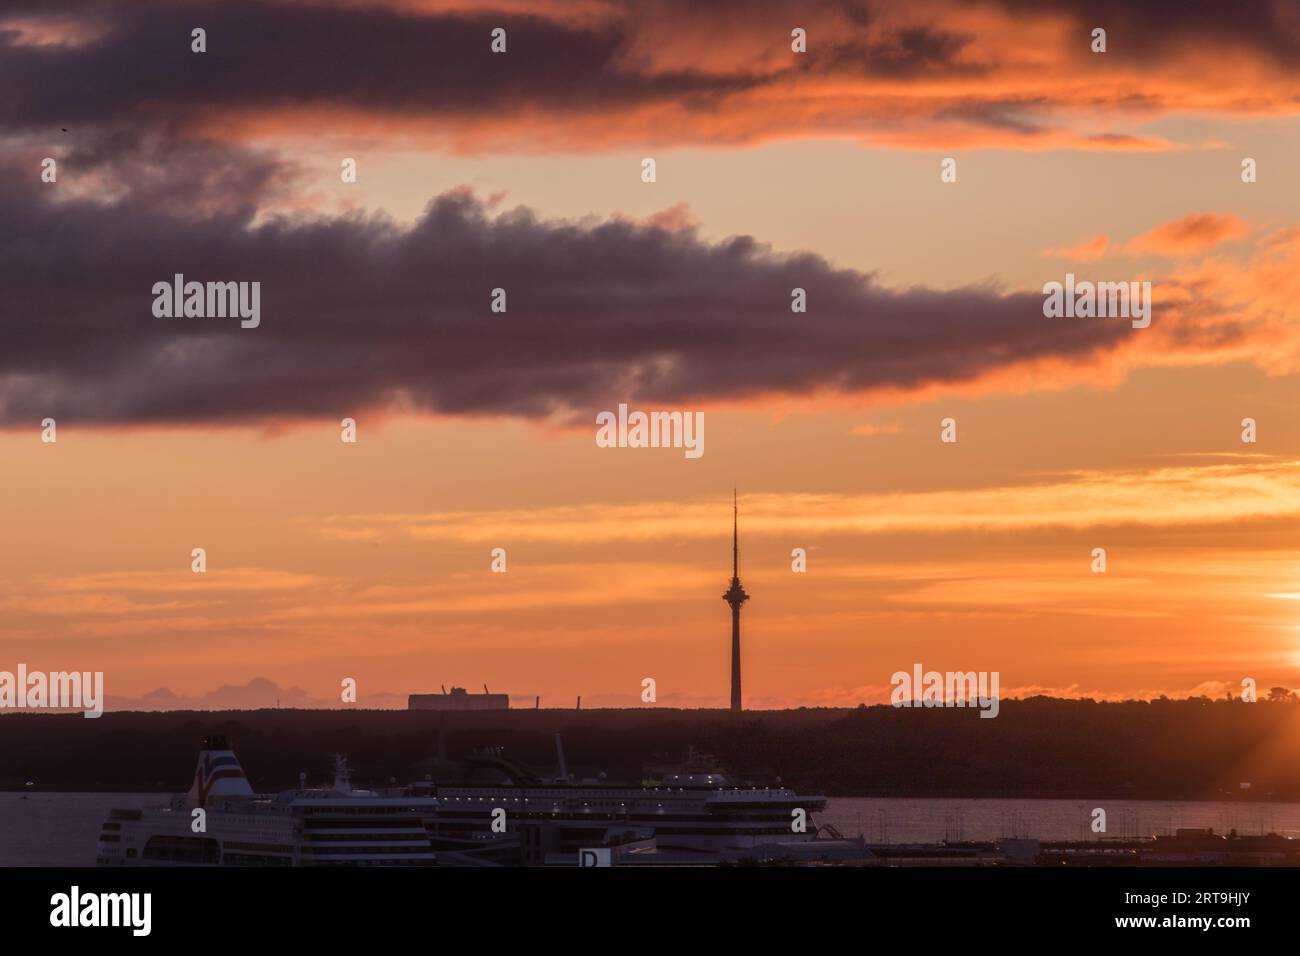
(1012, 73)
(359, 314)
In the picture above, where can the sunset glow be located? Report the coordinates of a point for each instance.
(371, 560)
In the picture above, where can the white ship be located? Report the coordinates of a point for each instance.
(692, 812)
(222, 822)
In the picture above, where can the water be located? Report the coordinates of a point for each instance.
(58, 829)
(61, 829)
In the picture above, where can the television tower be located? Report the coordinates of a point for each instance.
(735, 596)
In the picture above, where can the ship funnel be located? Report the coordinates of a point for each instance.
(218, 773)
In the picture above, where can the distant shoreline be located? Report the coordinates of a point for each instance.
(1040, 748)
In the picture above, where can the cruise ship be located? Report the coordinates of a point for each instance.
(694, 812)
(220, 821)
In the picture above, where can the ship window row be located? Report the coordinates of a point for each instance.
(370, 850)
(569, 800)
(254, 859)
(750, 825)
(418, 836)
(350, 863)
(401, 823)
(390, 810)
(479, 814)
(257, 847)
(182, 849)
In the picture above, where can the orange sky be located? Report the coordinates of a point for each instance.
(329, 560)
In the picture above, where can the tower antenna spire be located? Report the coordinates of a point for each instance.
(735, 534)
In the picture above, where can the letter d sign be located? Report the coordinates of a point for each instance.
(596, 857)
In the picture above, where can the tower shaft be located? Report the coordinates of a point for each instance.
(735, 656)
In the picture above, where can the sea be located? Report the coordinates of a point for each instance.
(61, 829)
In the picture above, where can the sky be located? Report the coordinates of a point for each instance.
(523, 170)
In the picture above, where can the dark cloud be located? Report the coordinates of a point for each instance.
(643, 70)
(1152, 29)
(188, 177)
(265, 56)
(357, 313)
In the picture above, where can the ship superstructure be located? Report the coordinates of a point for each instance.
(484, 810)
(222, 822)
(689, 810)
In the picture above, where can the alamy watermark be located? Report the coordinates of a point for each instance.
(209, 300)
(75, 908)
(1101, 300)
(651, 430)
(923, 688)
(55, 690)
